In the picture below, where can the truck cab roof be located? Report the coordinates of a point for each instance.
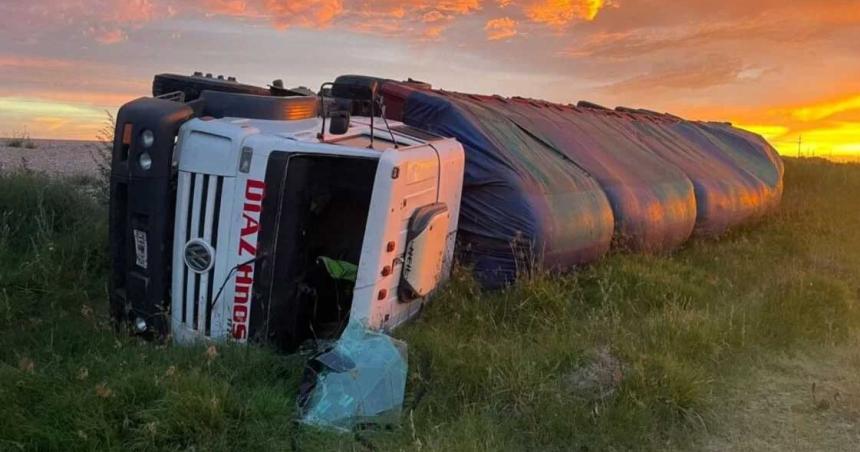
(308, 130)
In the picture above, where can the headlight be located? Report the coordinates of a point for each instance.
(147, 138)
(140, 325)
(145, 161)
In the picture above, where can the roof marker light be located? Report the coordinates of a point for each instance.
(245, 159)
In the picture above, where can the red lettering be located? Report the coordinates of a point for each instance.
(251, 225)
(240, 313)
(255, 190)
(247, 248)
(241, 298)
(240, 331)
(254, 194)
(245, 275)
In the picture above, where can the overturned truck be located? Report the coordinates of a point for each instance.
(266, 214)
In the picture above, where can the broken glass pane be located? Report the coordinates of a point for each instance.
(360, 380)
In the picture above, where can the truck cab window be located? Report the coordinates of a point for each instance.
(313, 223)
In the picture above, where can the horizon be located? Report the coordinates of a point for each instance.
(783, 71)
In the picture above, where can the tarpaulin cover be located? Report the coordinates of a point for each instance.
(653, 203)
(556, 185)
(522, 201)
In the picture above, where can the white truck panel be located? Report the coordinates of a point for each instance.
(394, 200)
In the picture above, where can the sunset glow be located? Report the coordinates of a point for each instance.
(786, 70)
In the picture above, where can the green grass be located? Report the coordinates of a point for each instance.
(488, 370)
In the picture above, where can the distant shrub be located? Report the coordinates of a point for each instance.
(21, 140)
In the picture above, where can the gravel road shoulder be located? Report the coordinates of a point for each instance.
(59, 157)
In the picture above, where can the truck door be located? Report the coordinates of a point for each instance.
(425, 180)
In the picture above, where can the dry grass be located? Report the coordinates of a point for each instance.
(804, 401)
(20, 140)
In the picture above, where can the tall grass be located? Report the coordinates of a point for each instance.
(630, 353)
(20, 139)
(102, 151)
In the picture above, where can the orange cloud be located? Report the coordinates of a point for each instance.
(826, 109)
(558, 13)
(649, 40)
(226, 7)
(450, 6)
(21, 62)
(823, 128)
(767, 132)
(96, 99)
(839, 139)
(107, 36)
(306, 14)
(42, 118)
(694, 73)
(111, 22)
(423, 19)
(433, 33)
(116, 18)
(131, 11)
(502, 28)
(281, 14)
(433, 16)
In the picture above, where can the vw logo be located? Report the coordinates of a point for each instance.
(199, 256)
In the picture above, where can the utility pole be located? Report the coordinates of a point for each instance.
(799, 143)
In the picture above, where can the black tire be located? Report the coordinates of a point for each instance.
(355, 81)
(193, 85)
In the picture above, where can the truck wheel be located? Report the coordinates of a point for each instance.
(193, 85)
(352, 83)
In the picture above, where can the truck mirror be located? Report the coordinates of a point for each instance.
(425, 251)
(339, 123)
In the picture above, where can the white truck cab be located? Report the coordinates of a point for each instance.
(278, 230)
(261, 204)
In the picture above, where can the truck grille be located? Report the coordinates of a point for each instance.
(198, 220)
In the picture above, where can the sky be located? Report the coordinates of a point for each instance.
(787, 69)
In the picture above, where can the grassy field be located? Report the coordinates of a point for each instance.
(714, 347)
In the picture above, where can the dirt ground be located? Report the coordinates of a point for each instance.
(808, 401)
(64, 157)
